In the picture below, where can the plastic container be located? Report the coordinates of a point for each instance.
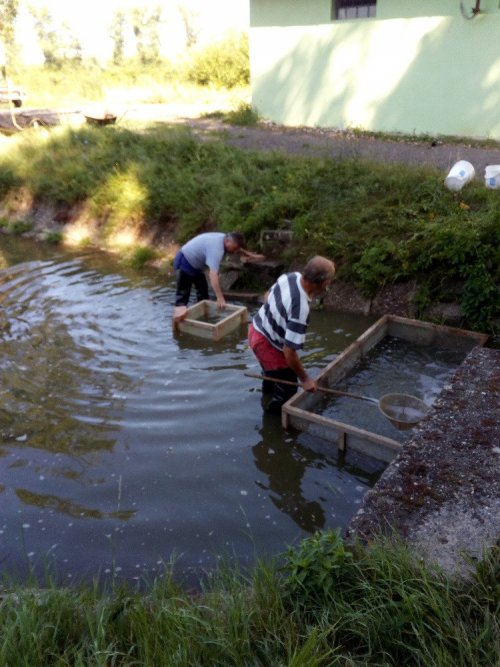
(492, 176)
(461, 173)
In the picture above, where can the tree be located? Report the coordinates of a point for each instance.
(58, 43)
(190, 19)
(117, 30)
(145, 27)
(8, 16)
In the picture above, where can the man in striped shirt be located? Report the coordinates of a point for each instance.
(278, 329)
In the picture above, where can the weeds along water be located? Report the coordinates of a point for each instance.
(329, 605)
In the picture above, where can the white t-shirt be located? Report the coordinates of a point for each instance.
(205, 250)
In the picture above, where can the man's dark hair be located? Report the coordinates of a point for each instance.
(318, 269)
(238, 238)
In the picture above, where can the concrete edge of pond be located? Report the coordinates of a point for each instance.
(441, 493)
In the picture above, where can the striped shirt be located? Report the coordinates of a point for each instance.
(283, 319)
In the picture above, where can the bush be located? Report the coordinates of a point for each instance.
(225, 64)
(316, 566)
(140, 257)
(243, 115)
(384, 606)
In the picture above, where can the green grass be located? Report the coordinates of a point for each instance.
(385, 608)
(382, 224)
(140, 256)
(244, 115)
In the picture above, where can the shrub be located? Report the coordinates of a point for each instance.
(54, 238)
(224, 64)
(19, 227)
(140, 257)
(243, 115)
(316, 566)
(381, 223)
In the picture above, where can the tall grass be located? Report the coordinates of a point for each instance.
(387, 608)
(79, 86)
(381, 223)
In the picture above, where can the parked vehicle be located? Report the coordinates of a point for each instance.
(11, 93)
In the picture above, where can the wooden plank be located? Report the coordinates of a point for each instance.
(343, 363)
(226, 325)
(427, 332)
(202, 329)
(341, 442)
(349, 429)
(353, 353)
(245, 296)
(196, 311)
(345, 436)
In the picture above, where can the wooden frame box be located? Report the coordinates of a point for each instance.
(299, 413)
(225, 321)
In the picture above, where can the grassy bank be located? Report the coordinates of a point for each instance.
(326, 605)
(382, 224)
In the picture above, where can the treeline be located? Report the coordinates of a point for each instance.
(137, 37)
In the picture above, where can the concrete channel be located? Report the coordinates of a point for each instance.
(441, 493)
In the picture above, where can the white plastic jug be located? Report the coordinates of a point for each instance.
(492, 176)
(461, 173)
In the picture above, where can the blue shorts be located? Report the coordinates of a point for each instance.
(181, 264)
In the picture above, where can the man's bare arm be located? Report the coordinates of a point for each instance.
(248, 256)
(213, 277)
(293, 360)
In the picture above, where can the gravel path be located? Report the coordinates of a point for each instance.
(323, 142)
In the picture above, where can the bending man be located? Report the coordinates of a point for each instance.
(206, 250)
(278, 329)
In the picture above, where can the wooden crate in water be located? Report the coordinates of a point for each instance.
(205, 319)
(299, 411)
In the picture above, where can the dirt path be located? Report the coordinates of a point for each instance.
(316, 142)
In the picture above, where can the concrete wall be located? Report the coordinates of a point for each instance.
(418, 67)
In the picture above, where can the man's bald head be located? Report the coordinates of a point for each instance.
(318, 270)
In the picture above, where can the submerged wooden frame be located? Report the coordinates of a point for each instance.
(192, 324)
(298, 410)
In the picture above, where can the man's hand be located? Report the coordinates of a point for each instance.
(246, 256)
(308, 384)
(221, 302)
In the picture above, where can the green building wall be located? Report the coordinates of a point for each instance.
(418, 67)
